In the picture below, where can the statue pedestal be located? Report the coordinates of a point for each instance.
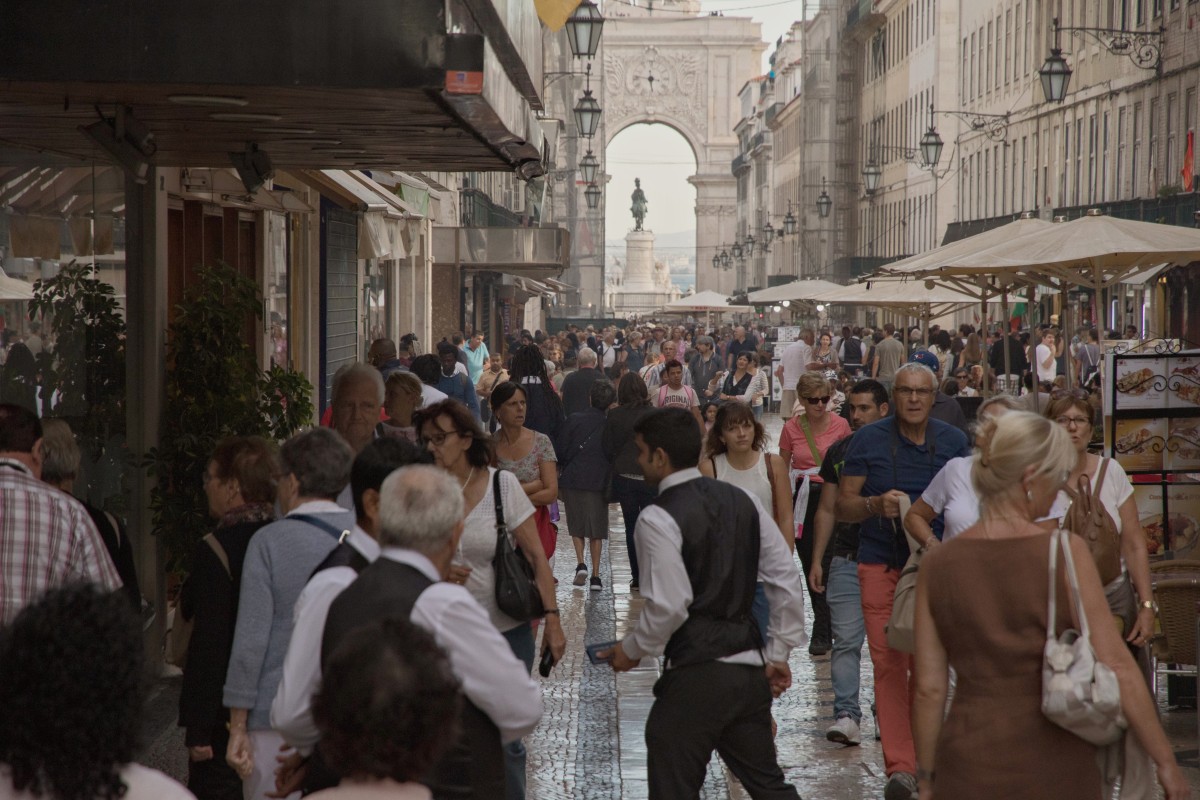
(639, 293)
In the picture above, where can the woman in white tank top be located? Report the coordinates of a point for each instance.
(736, 454)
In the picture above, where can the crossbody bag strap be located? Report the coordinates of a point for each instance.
(574, 453)
(317, 522)
(812, 447)
(770, 480)
(501, 525)
(219, 550)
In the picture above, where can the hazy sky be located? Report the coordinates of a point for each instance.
(661, 157)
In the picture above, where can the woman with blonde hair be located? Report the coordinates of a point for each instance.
(802, 445)
(401, 399)
(951, 492)
(981, 609)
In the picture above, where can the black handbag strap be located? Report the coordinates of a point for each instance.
(501, 525)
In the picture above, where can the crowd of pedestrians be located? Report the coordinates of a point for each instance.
(353, 630)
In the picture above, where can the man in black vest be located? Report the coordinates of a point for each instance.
(291, 711)
(420, 522)
(707, 543)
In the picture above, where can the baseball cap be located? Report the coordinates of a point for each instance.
(925, 358)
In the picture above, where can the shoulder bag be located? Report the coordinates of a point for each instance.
(901, 624)
(517, 593)
(1079, 693)
(180, 634)
(1087, 517)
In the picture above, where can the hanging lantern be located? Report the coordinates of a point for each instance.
(789, 223)
(588, 166)
(583, 30)
(592, 195)
(587, 115)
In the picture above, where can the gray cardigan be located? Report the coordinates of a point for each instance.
(279, 561)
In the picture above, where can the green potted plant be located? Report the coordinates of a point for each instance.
(214, 389)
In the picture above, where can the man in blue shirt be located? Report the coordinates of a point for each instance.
(887, 460)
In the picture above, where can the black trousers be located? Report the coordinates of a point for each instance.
(804, 548)
(712, 706)
(214, 779)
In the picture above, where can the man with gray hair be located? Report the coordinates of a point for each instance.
(577, 386)
(279, 560)
(420, 522)
(356, 400)
(888, 463)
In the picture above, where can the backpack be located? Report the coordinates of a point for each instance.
(1089, 519)
(852, 351)
(179, 635)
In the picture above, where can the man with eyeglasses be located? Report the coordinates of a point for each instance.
(887, 462)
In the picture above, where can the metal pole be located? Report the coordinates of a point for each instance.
(1004, 333)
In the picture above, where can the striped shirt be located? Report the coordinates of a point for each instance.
(47, 540)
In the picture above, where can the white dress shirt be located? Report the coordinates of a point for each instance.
(492, 678)
(291, 710)
(667, 591)
(794, 359)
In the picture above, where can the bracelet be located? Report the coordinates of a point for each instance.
(550, 611)
(869, 511)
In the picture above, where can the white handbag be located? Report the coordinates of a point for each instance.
(1079, 693)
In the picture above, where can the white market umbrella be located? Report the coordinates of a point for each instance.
(796, 291)
(707, 300)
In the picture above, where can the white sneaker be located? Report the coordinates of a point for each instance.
(844, 731)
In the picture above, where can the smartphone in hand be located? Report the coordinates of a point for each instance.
(593, 649)
(546, 663)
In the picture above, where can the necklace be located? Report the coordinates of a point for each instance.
(470, 475)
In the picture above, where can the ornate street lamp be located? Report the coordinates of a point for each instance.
(587, 110)
(588, 166)
(768, 233)
(871, 175)
(824, 202)
(750, 244)
(1055, 75)
(789, 222)
(592, 195)
(724, 259)
(583, 30)
(931, 143)
(737, 250)
(717, 261)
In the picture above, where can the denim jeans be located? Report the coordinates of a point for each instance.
(760, 611)
(520, 639)
(633, 495)
(846, 622)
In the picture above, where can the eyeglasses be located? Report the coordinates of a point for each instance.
(909, 391)
(817, 400)
(1073, 422)
(438, 439)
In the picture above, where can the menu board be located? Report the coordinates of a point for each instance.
(1177, 528)
(787, 333)
(1152, 430)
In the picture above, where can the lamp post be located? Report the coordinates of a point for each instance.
(824, 202)
(589, 165)
(592, 195)
(1144, 49)
(587, 110)
(871, 174)
(583, 30)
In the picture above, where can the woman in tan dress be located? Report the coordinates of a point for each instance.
(981, 609)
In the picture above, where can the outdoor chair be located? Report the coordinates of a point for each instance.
(1178, 603)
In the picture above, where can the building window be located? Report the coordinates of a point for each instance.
(1171, 177)
(1064, 168)
(987, 77)
(1078, 191)
(1024, 173)
(1152, 169)
(1008, 45)
(1091, 179)
(1118, 183)
(1103, 184)
(1135, 184)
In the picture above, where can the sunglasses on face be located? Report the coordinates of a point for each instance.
(817, 400)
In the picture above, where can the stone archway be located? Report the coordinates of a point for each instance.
(667, 65)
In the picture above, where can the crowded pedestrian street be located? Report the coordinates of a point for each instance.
(590, 744)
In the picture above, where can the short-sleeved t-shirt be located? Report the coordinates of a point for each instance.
(477, 547)
(736, 348)
(912, 470)
(529, 468)
(845, 534)
(684, 397)
(952, 495)
(890, 353)
(792, 438)
(795, 360)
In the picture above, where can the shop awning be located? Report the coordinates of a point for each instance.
(1144, 276)
(794, 291)
(385, 231)
(535, 252)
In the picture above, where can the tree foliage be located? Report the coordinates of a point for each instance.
(214, 389)
(86, 366)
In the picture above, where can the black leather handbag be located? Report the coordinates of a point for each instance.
(517, 593)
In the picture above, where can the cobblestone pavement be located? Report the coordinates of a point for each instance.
(590, 744)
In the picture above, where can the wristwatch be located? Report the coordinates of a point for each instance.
(1150, 604)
